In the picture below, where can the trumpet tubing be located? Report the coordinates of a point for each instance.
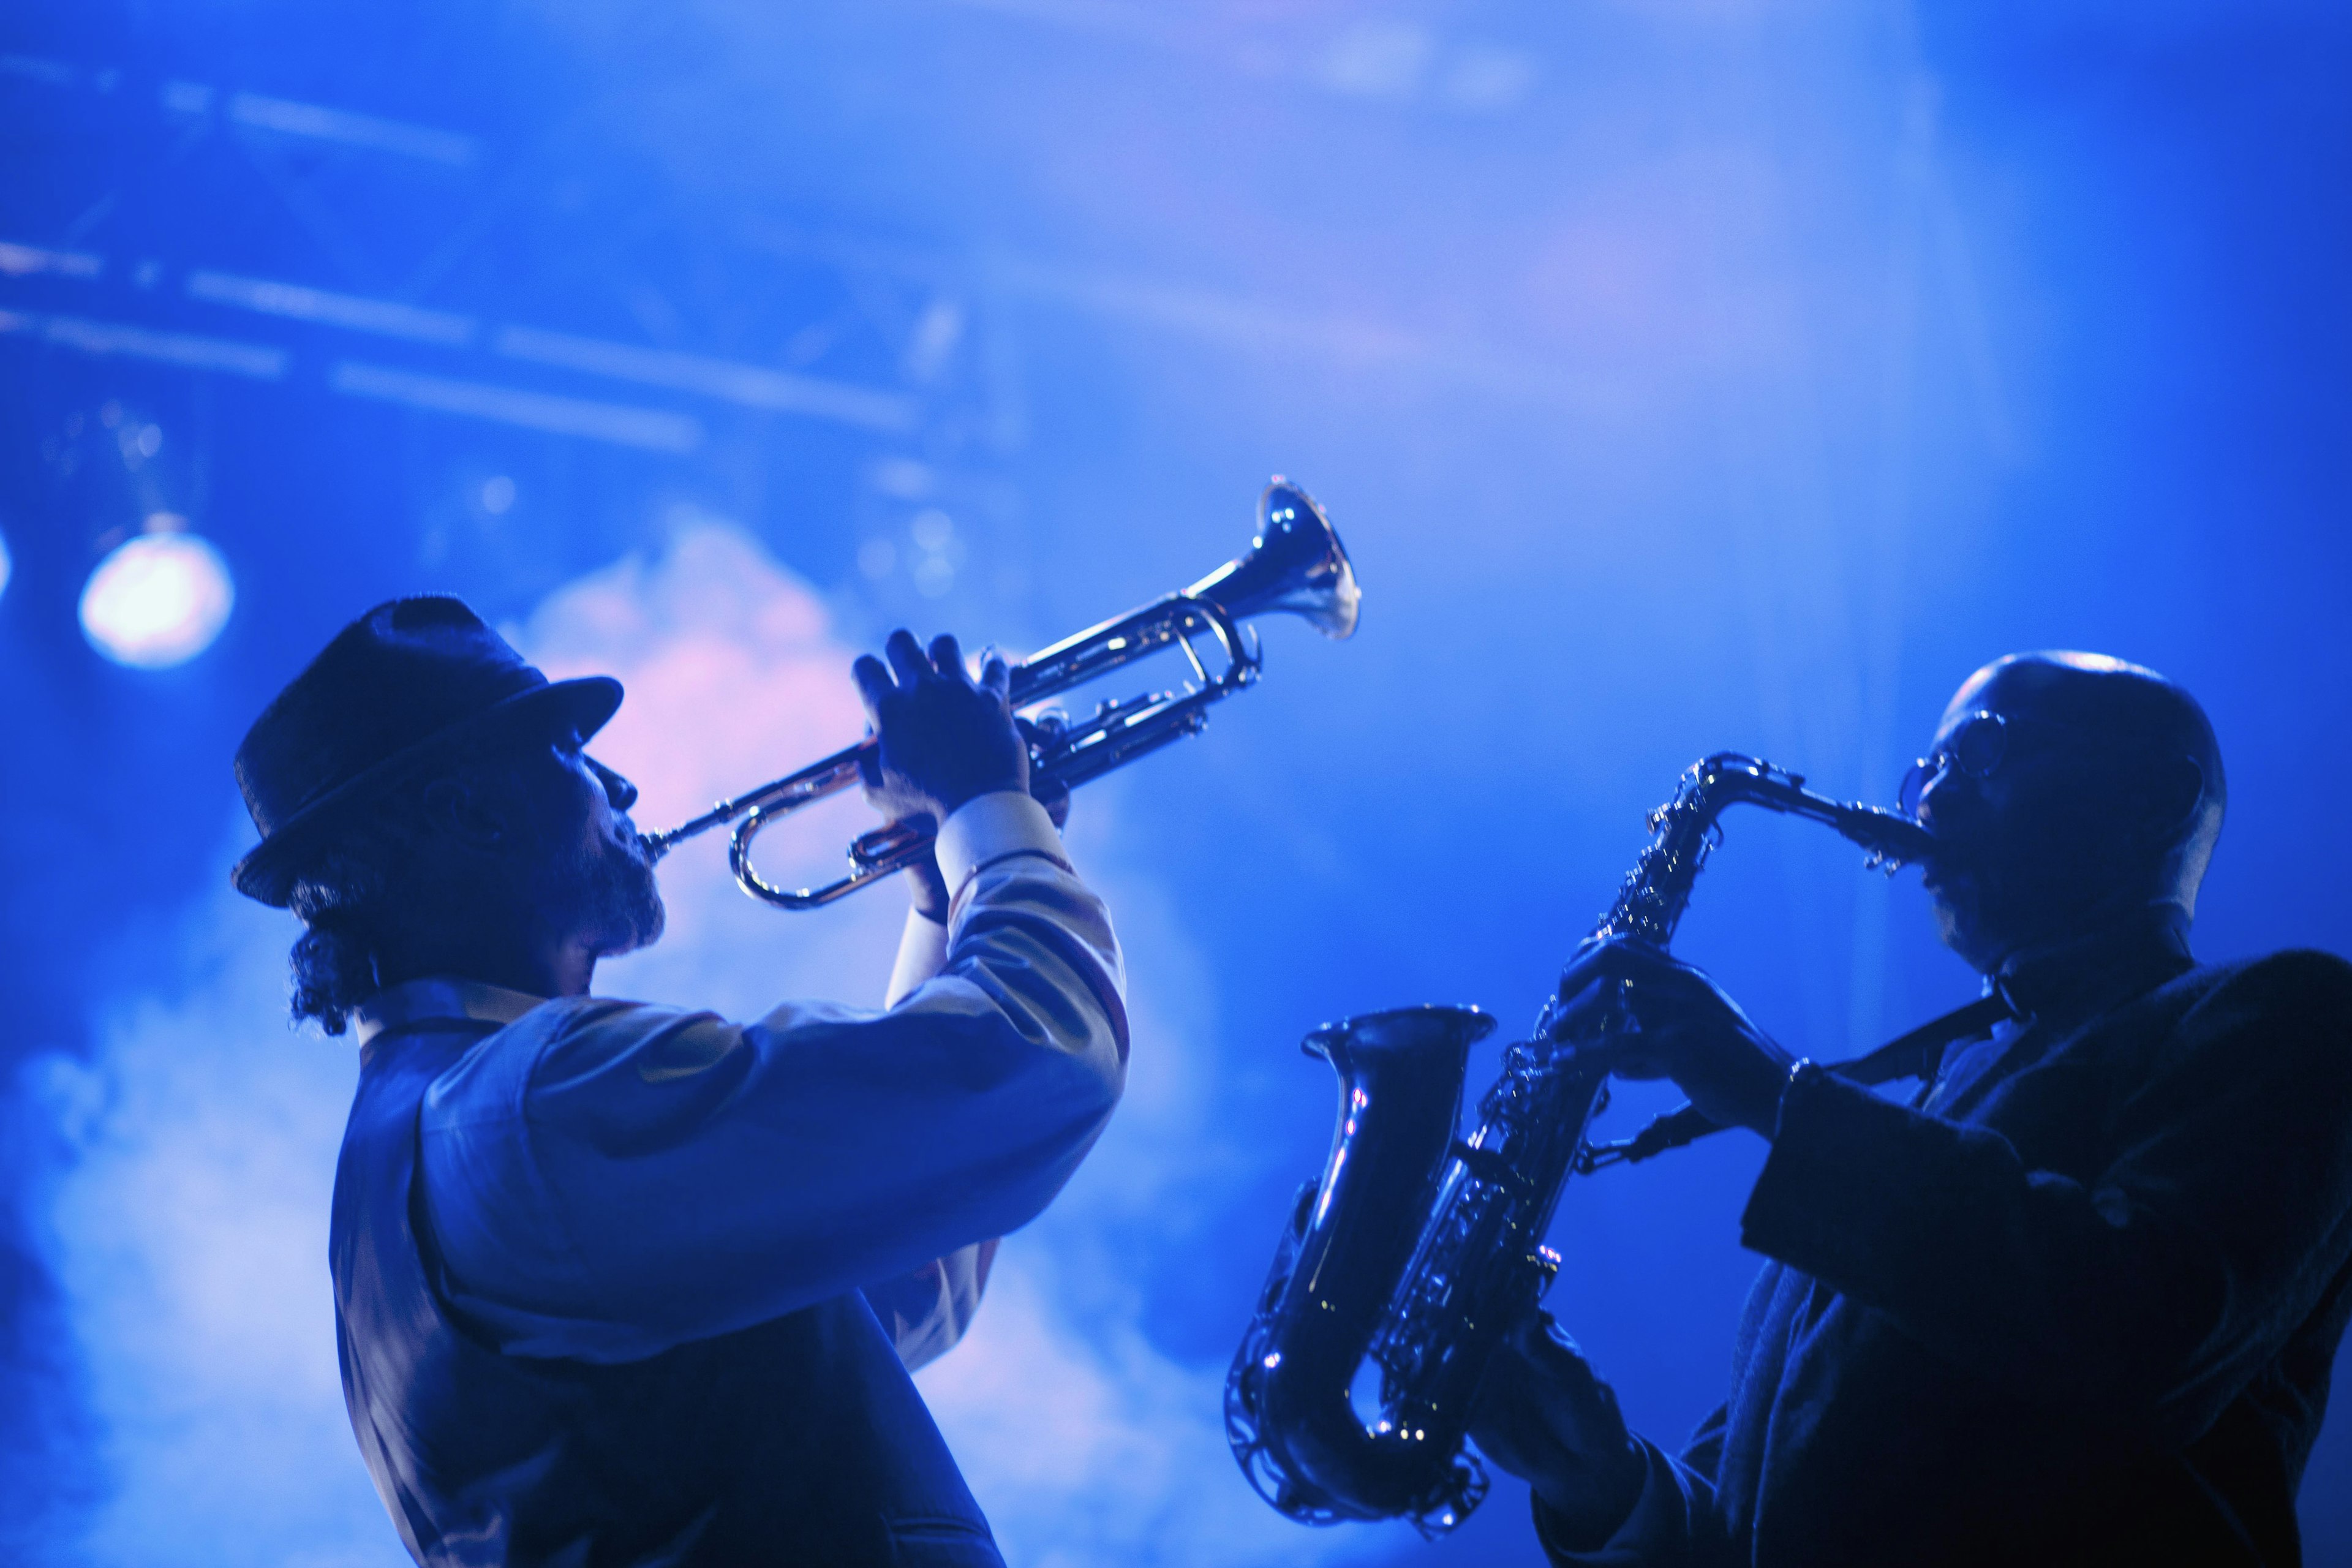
(1294, 566)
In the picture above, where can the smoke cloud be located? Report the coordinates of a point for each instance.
(188, 1226)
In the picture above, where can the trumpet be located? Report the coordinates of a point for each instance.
(1294, 566)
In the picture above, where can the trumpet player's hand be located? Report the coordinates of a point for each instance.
(1544, 1415)
(927, 885)
(941, 738)
(1686, 1028)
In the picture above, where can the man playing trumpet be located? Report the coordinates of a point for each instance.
(2077, 1302)
(623, 1284)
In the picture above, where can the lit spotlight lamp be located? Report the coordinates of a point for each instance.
(4, 563)
(157, 600)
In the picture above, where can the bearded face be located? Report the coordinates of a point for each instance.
(594, 880)
(612, 885)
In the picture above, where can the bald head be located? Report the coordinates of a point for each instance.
(2126, 709)
(2109, 792)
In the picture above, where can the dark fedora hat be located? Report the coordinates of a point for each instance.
(399, 687)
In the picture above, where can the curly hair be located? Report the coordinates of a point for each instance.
(345, 900)
(378, 870)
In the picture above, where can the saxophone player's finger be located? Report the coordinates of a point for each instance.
(1544, 1412)
(1597, 961)
(1658, 986)
(1680, 974)
(1639, 1063)
(1584, 1008)
(1651, 966)
(1555, 1348)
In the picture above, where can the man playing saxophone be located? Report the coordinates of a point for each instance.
(2077, 1302)
(634, 1285)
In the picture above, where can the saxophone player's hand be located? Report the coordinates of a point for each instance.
(1546, 1416)
(1686, 1029)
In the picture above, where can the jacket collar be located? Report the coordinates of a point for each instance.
(2067, 982)
(440, 996)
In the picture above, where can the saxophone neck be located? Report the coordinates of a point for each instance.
(1650, 903)
(1727, 778)
(1893, 839)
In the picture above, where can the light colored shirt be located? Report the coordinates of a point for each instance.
(601, 1179)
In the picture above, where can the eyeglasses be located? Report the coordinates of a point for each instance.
(1976, 748)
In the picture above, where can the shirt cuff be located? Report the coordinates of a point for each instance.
(990, 827)
(922, 953)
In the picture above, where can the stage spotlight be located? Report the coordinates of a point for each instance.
(4, 564)
(157, 601)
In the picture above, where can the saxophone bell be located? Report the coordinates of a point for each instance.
(1416, 1251)
(1290, 1399)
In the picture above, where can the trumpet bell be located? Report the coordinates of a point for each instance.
(1295, 565)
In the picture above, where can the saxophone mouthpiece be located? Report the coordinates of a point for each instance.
(1894, 841)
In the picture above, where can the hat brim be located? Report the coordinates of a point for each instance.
(271, 870)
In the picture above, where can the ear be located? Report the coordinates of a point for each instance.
(2175, 789)
(460, 813)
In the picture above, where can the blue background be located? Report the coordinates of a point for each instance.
(1684, 375)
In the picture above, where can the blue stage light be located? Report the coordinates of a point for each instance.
(4, 563)
(157, 601)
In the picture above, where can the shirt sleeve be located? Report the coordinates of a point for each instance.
(2144, 1295)
(608, 1179)
(922, 953)
(925, 1312)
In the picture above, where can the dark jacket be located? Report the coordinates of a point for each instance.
(797, 1441)
(2078, 1304)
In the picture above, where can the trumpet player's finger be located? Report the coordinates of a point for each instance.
(874, 684)
(906, 655)
(996, 677)
(947, 657)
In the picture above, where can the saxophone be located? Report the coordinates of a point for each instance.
(1403, 1264)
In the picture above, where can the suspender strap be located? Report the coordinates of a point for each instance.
(1920, 1053)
